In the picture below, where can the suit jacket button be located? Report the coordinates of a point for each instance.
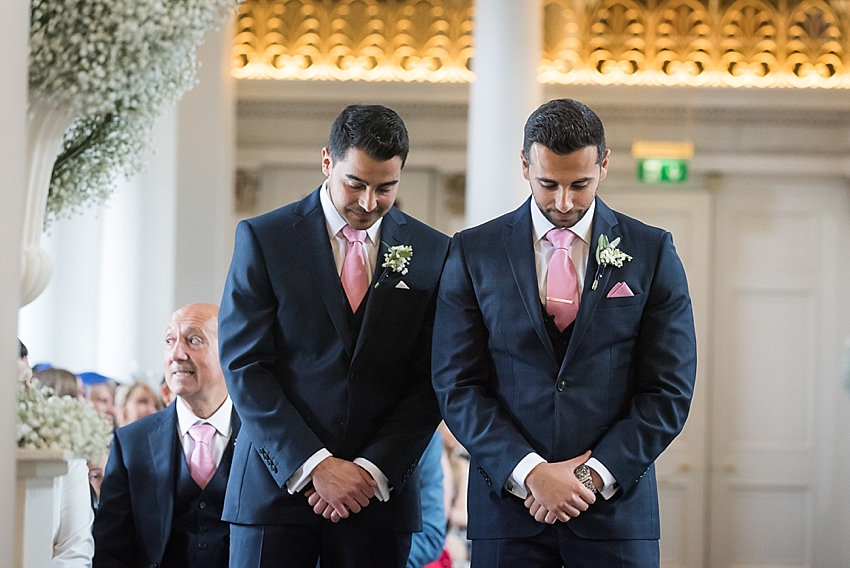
(202, 545)
(354, 377)
(562, 385)
(202, 505)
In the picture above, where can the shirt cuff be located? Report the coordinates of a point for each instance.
(304, 474)
(609, 484)
(516, 482)
(382, 491)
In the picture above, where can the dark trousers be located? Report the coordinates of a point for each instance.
(338, 545)
(558, 547)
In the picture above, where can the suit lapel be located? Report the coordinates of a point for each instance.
(518, 241)
(604, 222)
(163, 442)
(313, 237)
(393, 232)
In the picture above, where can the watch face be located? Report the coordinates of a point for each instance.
(582, 473)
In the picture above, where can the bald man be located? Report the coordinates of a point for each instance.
(163, 491)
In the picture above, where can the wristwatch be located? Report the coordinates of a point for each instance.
(582, 473)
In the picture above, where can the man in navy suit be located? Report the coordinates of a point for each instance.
(325, 339)
(163, 492)
(564, 360)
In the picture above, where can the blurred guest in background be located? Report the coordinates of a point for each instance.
(63, 383)
(135, 401)
(100, 391)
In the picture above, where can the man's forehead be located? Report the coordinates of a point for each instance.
(186, 325)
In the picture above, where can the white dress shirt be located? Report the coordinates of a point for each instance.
(579, 253)
(339, 244)
(220, 420)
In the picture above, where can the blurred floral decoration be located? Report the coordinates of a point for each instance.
(47, 422)
(110, 66)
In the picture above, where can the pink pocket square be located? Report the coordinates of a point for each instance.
(620, 290)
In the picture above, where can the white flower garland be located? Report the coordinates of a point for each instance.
(47, 422)
(114, 64)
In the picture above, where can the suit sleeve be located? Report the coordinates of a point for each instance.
(665, 367)
(247, 332)
(465, 380)
(114, 527)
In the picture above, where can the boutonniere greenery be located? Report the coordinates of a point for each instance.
(396, 259)
(607, 253)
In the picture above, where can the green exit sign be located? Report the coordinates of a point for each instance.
(662, 170)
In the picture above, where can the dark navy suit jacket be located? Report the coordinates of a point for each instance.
(133, 522)
(301, 380)
(623, 389)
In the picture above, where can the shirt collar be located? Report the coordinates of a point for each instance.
(220, 418)
(335, 222)
(542, 225)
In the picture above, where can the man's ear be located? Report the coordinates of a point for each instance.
(524, 164)
(603, 167)
(327, 162)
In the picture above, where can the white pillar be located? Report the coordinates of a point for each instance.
(14, 45)
(508, 39)
(206, 176)
(112, 288)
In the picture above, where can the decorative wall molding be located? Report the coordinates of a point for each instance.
(327, 110)
(713, 43)
(368, 40)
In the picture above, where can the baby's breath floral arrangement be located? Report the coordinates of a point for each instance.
(47, 422)
(114, 65)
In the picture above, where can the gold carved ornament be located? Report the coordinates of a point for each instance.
(743, 43)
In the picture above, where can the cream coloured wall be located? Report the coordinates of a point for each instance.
(13, 45)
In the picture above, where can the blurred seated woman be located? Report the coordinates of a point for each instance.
(73, 545)
(63, 383)
(135, 401)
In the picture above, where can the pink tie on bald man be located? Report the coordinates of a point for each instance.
(355, 268)
(201, 463)
(562, 280)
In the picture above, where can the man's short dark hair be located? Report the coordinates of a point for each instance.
(376, 130)
(564, 126)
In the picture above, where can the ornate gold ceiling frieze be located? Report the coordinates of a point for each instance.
(368, 40)
(738, 43)
(747, 43)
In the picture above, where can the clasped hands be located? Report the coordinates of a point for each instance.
(340, 487)
(554, 492)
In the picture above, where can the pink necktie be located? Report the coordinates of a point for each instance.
(355, 271)
(201, 462)
(562, 281)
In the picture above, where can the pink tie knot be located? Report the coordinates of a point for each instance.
(560, 238)
(353, 235)
(202, 432)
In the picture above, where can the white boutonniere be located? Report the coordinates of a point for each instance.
(607, 253)
(396, 259)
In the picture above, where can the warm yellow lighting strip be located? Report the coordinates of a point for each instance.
(740, 43)
(671, 150)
